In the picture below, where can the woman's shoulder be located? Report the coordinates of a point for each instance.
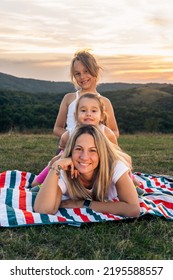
(120, 167)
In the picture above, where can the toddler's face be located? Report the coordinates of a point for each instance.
(89, 112)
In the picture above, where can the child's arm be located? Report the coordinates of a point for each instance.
(111, 120)
(63, 140)
(110, 135)
(59, 126)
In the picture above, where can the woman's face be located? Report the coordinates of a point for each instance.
(85, 156)
(83, 78)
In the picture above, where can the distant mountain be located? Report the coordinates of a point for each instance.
(12, 83)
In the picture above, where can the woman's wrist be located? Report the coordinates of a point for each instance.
(87, 203)
(57, 169)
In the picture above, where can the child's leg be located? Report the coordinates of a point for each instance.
(135, 181)
(41, 177)
(137, 184)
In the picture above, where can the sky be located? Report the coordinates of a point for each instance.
(132, 40)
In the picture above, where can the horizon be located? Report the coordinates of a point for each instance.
(131, 40)
(99, 83)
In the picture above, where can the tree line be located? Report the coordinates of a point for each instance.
(136, 110)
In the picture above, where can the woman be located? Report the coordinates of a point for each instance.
(92, 172)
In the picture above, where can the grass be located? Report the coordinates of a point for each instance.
(144, 238)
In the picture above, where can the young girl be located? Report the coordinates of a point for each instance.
(84, 74)
(89, 110)
(92, 173)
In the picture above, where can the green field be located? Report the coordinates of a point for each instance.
(144, 238)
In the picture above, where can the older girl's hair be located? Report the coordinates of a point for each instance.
(108, 155)
(100, 103)
(88, 61)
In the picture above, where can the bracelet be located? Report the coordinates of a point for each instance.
(87, 203)
(58, 169)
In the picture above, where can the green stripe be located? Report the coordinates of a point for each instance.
(11, 216)
(64, 213)
(12, 180)
(33, 198)
(95, 215)
(31, 178)
(45, 218)
(9, 197)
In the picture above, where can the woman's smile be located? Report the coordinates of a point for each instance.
(84, 155)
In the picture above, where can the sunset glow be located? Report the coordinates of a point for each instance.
(132, 39)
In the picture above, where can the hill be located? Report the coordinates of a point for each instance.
(12, 83)
(34, 104)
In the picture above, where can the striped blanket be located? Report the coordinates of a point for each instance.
(16, 202)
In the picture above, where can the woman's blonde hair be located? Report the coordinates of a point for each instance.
(89, 62)
(108, 154)
(100, 103)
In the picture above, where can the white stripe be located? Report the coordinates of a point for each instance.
(20, 217)
(3, 216)
(37, 218)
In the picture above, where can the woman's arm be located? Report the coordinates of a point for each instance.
(49, 196)
(128, 204)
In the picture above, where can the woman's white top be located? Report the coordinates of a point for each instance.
(119, 170)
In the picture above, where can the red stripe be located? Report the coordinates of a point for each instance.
(61, 219)
(144, 205)
(163, 202)
(163, 212)
(2, 179)
(83, 217)
(28, 217)
(111, 216)
(23, 180)
(149, 190)
(22, 200)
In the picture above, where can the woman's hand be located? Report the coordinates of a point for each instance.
(69, 203)
(67, 165)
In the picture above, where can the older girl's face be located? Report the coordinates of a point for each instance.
(83, 78)
(85, 156)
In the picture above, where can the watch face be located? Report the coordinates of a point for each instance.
(87, 203)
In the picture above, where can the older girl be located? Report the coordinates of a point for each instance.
(84, 74)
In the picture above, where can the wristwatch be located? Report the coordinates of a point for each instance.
(87, 203)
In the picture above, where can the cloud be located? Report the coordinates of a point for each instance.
(44, 32)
